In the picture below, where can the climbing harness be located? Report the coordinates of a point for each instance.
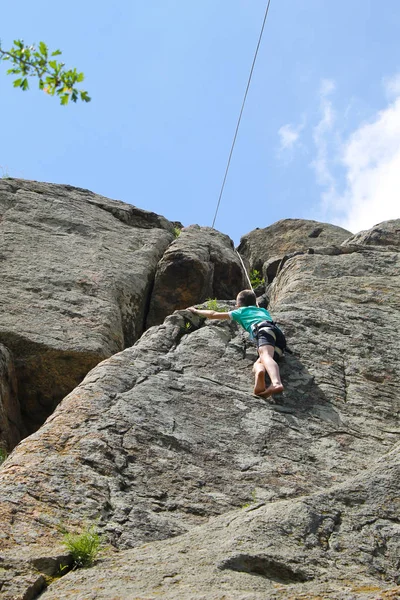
(270, 328)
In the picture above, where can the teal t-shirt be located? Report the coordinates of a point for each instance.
(247, 316)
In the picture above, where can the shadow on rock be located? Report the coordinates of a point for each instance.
(302, 393)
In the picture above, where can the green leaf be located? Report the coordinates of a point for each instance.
(29, 61)
(43, 48)
(85, 97)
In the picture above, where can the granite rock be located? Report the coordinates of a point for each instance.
(11, 427)
(204, 490)
(343, 544)
(200, 264)
(287, 236)
(76, 271)
(383, 234)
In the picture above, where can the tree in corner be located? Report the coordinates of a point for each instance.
(54, 79)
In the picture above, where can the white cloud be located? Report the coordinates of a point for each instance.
(392, 86)
(370, 156)
(320, 136)
(327, 87)
(289, 135)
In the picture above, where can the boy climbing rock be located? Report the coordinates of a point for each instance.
(268, 337)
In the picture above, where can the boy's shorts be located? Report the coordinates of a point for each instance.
(268, 334)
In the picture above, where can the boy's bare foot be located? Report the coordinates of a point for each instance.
(259, 384)
(271, 390)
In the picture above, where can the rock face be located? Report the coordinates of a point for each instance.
(383, 234)
(76, 270)
(297, 498)
(341, 544)
(11, 427)
(200, 264)
(286, 236)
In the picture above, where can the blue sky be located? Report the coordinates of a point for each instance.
(320, 133)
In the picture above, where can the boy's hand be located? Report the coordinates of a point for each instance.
(192, 309)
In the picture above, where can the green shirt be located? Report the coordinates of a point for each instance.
(247, 316)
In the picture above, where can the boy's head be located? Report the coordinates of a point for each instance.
(246, 298)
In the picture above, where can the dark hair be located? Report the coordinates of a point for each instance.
(246, 298)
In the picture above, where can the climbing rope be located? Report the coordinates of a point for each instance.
(241, 112)
(246, 273)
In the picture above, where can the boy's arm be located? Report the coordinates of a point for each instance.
(209, 314)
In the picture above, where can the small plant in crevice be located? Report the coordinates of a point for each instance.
(83, 547)
(62, 570)
(177, 232)
(4, 173)
(256, 279)
(212, 304)
(252, 501)
(186, 328)
(3, 455)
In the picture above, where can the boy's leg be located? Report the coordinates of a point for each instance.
(259, 377)
(266, 353)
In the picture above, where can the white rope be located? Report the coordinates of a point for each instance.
(240, 115)
(245, 272)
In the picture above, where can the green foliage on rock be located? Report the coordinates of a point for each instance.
(256, 279)
(3, 455)
(252, 501)
(39, 62)
(212, 304)
(83, 547)
(177, 232)
(187, 328)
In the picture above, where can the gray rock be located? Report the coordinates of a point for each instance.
(342, 544)
(11, 427)
(76, 272)
(200, 264)
(164, 445)
(383, 234)
(286, 236)
(26, 571)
